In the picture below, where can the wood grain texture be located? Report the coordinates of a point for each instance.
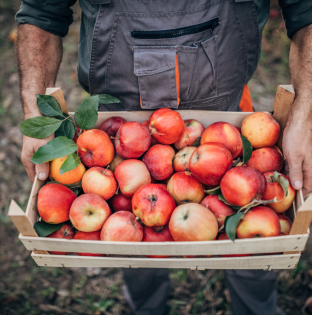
(283, 101)
(254, 262)
(243, 246)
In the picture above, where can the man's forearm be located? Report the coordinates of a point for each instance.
(39, 55)
(300, 64)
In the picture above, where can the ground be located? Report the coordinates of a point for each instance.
(28, 289)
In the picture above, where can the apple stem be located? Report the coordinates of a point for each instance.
(256, 202)
(236, 162)
(137, 218)
(105, 169)
(116, 192)
(114, 138)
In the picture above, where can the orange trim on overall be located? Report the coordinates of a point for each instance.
(177, 78)
(246, 104)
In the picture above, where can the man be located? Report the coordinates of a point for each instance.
(165, 53)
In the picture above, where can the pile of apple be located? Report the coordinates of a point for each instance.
(171, 180)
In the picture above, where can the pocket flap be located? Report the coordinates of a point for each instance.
(150, 60)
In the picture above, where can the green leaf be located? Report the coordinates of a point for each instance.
(71, 162)
(108, 99)
(49, 106)
(214, 191)
(196, 143)
(39, 127)
(247, 149)
(86, 113)
(231, 223)
(284, 182)
(220, 197)
(55, 148)
(67, 128)
(76, 191)
(44, 229)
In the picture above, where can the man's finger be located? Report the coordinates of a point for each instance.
(295, 172)
(42, 171)
(307, 179)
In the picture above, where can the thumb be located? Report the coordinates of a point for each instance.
(42, 171)
(295, 173)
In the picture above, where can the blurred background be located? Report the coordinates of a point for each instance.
(28, 289)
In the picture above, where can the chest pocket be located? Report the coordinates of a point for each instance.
(170, 75)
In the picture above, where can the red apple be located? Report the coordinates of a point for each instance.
(242, 184)
(116, 160)
(209, 162)
(157, 234)
(166, 125)
(131, 175)
(120, 203)
(153, 204)
(181, 161)
(66, 232)
(92, 236)
(193, 222)
(111, 125)
(132, 140)
(122, 226)
(192, 132)
(217, 207)
(261, 129)
(260, 221)
(266, 160)
(100, 181)
(158, 160)
(222, 236)
(274, 189)
(285, 224)
(226, 134)
(89, 212)
(95, 148)
(184, 188)
(54, 202)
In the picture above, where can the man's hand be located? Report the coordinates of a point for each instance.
(30, 146)
(297, 147)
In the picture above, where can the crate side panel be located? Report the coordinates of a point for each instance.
(254, 262)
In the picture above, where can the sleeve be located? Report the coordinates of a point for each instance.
(297, 14)
(52, 16)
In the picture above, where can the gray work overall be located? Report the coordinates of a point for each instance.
(180, 54)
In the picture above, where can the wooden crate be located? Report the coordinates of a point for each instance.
(132, 255)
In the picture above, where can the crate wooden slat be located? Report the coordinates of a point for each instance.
(291, 244)
(254, 262)
(245, 246)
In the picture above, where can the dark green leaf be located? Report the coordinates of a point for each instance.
(55, 148)
(86, 113)
(108, 99)
(76, 191)
(44, 229)
(196, 143)
(214, 191)
(220, 197)
(231, 222)
(247, 149)
(74, 187)
(39, 127)
(71, 162)
(49, 106)
(284, 182)
(67, 128)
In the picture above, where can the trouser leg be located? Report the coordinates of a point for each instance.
(253, 292)
(147, 290)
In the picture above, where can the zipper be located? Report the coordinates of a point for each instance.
(177, 32)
